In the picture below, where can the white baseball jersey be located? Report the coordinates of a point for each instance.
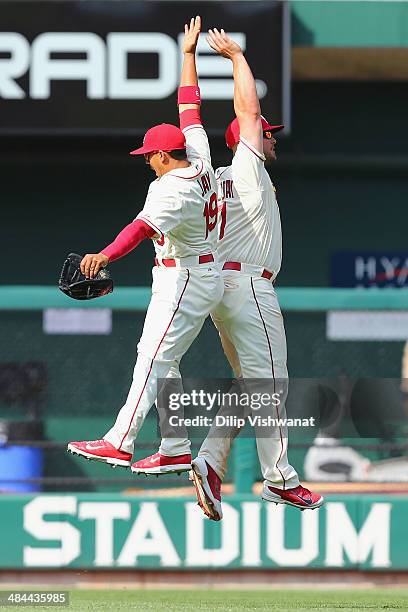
(249, 226)
(182, 204)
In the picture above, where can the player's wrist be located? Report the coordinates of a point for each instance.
(237, 55)
(189, 94)
(104, 255)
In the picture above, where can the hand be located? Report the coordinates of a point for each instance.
(223, 44)
(92, 263)
(191, 34)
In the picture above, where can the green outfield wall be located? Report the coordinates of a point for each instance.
(86, 377)
(118, 531)
(349, 24)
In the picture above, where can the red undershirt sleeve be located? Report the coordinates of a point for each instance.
(189, 117)
(128, 239)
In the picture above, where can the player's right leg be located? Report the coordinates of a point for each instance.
(181, 300)
(116, 448)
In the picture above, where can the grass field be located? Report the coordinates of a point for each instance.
(225, 600)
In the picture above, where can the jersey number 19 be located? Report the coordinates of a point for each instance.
(210, 214)
(211, 209)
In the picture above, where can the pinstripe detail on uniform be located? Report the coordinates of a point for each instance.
(154, 356)
(192, 126)
(273, 375)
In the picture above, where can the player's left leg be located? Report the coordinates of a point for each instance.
(181, 300)
(168, 294)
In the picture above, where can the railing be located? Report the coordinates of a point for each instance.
(32, 297)
(16, 301)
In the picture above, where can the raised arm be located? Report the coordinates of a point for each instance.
(189, 78)
(189, 97)
(246, 102)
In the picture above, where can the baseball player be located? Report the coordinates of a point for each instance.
(248, 317)
(180, 216)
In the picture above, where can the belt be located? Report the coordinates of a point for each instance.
(235, 265)
(172, 263)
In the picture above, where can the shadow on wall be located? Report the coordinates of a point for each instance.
(301, 35)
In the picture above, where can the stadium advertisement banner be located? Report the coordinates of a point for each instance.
(114, 65)
(121, 531)
(365, 269)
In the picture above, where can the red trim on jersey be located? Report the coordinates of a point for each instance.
(128, 239)
(253, 150)
(189, 178)
(190, 117)
(193, 127)
(273, 376)
(154, 356)
(157, 230)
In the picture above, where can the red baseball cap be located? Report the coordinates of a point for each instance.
(163, 137)
(232, 131)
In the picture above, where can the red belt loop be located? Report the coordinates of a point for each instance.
(205, 258)
(168, 263)
(235, 265)
(171, 263)
(231, 265)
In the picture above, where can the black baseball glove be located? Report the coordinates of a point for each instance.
(74, 284)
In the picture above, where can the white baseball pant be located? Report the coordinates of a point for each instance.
(250, 316)
(181, 300)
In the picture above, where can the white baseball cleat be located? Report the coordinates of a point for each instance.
(207, 484)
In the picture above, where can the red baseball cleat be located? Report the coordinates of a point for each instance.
(100, 450)
(299, 497)
(161, 464)
(207, 484)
